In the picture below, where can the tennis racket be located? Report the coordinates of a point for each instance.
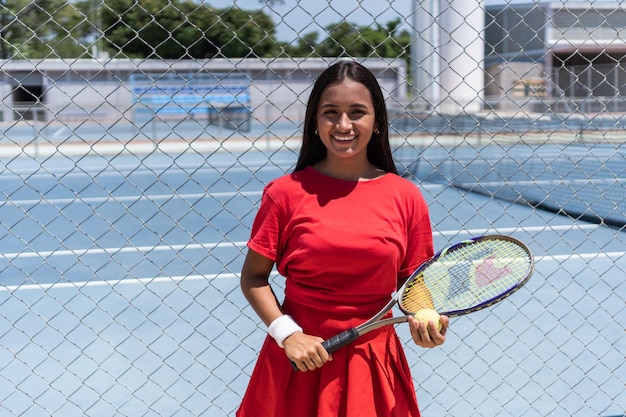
(463, 278)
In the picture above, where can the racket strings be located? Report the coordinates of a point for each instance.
(416, 296)
(470, 275)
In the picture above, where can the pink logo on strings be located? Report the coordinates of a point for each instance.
(487, 272)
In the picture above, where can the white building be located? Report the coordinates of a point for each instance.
(559, 55)
(119, 90)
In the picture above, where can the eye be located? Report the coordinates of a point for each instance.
(331, 115)
(358, 113)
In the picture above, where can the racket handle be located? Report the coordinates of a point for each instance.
(336, 342)
(340, 340)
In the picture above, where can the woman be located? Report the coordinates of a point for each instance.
(345, 230)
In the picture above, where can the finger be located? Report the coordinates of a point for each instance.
(439, 334)
(305, 365)
(301, 365)
(435, 335)
(324, 355)
(445, 322)
(317, 361)
(420, 334)
(414, 325)
(310, 365)
(423, 331)
(414, 328)
(310, 362)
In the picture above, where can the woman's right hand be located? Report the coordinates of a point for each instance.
(306, 351)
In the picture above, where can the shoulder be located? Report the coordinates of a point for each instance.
(288, 186)
(402, 185)
(287, 181)
(403, 193)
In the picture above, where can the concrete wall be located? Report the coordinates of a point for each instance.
(102, 91)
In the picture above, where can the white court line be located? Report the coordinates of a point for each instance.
(509, 230)
(111, 283)
(151, 197)
(132, 198)
(209, 277)
(551, 182)
(241, 244)
(172, 169)
(115, 251)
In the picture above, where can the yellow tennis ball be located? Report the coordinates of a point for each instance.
(427, 314)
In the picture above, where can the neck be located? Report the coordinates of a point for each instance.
(347, 171)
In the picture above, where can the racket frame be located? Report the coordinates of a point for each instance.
(375, 322)
(487, 303)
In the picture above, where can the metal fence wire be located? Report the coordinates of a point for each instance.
(137, 137)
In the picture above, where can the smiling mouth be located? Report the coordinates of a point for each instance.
(344, 138)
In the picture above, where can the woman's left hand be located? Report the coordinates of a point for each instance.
(426, 334)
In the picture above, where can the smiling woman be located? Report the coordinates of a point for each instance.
(343, 229)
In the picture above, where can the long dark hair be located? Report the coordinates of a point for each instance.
(378, 149)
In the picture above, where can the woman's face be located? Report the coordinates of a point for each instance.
(346, 119)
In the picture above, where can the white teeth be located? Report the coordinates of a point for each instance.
(346, 138)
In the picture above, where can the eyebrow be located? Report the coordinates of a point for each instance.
(353, 106)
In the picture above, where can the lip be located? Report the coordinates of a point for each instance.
(344, 138)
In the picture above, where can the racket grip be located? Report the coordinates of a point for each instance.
(336, 342)
(340, 340)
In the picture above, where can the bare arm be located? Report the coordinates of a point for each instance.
(304, 350)
(256, 288)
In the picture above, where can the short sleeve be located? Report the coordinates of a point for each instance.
(419, 237)
(266, 228)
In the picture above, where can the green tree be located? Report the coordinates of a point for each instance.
(174, 29)
(241, 33)
(142, 29)
(348, 39)
(305, 45)
(40, 29)
(185, 29)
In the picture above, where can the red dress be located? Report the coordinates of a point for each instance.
(342, 245)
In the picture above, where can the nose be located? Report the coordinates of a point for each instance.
(344, 121)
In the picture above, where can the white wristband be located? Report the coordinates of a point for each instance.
(283, 327)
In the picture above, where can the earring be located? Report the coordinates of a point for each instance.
(376, 131)
(317, 134)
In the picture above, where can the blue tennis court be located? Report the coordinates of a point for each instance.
(119, 294)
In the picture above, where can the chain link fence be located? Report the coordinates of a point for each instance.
(137, 137)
